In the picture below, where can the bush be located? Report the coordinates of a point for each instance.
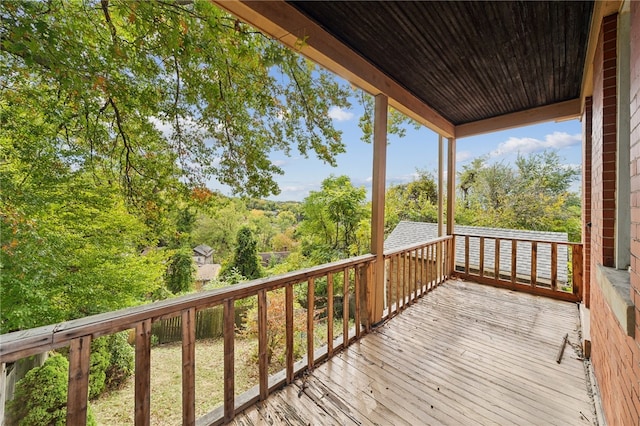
(112, 363)
(41, 396)
(122, 362)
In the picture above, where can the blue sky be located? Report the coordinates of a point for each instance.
(419, 149)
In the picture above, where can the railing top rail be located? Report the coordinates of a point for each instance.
(522, 240)
(412, 247)
(28, 342)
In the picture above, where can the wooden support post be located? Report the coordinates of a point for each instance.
(451, 200)
(330, 314)
(514, 262)
(229, 330)
(189, 366)
(554, 266)
(345, 309)
(481, 266)
(496, 271)
(358, 299)
(577, 271)
(377, 207)
(263, 362)
(143, 374)
(311, 295)
(79, 360)
(440, 186)
(534, 263)
(289, 333)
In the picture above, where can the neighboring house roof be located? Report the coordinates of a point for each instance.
(265, 258)
(411, 233)
(203, 250)
(208, 272)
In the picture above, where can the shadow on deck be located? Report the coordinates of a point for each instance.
(466, 354)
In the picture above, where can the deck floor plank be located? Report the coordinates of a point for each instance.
(463, 354)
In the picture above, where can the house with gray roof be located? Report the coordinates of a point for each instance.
(203, 254)
(408, 233)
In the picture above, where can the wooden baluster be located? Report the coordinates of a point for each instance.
(311, 294)
(345, 309)
(481, 266)
(358, 296)
(398, 280)
(229, 367)
(189, 366)
(410, 273)
(263, 360)
(514, 261)
(389, 275)
(577, 269)
(534, 263)
(329, 314)
(421, 263)
(143, 374)
(404, 280)
(369, 277)
(554, 266)
(496, 271)
(289, 333)
(441, 262)
(466, 255)
(429, 267)
(79, 361)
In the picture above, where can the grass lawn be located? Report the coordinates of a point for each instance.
(117, 407)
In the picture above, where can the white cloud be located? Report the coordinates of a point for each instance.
(339, 114)
(556, 140)
(279, 163)
(463, 156)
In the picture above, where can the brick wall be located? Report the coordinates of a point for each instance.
(586, 200)
(615, 357)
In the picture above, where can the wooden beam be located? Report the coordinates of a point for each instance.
(451, 201)
(376, 289)
(440, 186)
(229, 330)
(559, 111)
(143, 374)
(79, 354)
(189, 366)
(600, 10)
(286, 24)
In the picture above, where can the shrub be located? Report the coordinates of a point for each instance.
(276, 329)
(98, 366)
(122, 360)
(41, 396)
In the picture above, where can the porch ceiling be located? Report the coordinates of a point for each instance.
(465, 62)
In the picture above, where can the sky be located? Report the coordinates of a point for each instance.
(417, 150)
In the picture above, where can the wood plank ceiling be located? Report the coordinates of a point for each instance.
(469, 61)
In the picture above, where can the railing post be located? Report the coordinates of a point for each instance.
(311, 294)
(229, 330)
(577, 270)
(345, 309)
(289, 332)
(534, 263)
(143, 374)
(189, 366)
(79, 360)
(263, 362)
(330, 314)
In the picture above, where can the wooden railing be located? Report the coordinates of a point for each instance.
(77, 335)
(547, 268)
(413, 271)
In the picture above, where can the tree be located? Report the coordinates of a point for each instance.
(415, 201)
(153, 91)
(180, 274)
(331, 219)
(245, 258)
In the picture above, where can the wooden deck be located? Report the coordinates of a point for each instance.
(464, 354)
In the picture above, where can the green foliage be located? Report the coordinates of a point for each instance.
(122, 360)
(532, 195)
(180, 275)
(332, 217)
(245, 258)
(99, 363)
(415, 201)
(396, 121)
(153, 91)
(41, 396)
(276, 329)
